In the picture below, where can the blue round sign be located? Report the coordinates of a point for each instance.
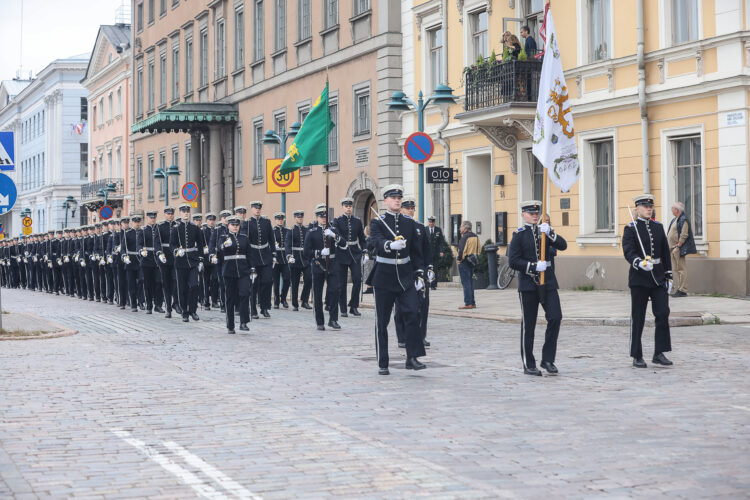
(8, 193)
(190, 191)
(106, 212)
(419, 147)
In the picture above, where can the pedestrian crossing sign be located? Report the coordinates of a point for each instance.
(7, 154)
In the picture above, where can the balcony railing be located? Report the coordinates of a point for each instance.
(88, 191)
(494, 84)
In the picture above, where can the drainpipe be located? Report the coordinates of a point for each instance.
(642, 99)
(446, 117)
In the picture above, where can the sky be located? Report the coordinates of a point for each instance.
(52, 29)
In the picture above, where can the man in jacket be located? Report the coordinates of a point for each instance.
(186, 243)
(234, 247)
(349, 256)
(299, 266)
(468, 246)
(320, 242)
(280, 265)
(681, 243)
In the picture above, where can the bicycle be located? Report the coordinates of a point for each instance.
(505, 274)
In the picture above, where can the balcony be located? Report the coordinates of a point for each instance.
(89, 192)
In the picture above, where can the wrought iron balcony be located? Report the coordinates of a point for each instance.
(496, 84)
(89, 191)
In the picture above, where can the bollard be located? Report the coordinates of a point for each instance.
(491, 251)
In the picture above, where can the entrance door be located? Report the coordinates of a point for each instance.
(478, 195)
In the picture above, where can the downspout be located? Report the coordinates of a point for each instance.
(446, 118)
(642, 99)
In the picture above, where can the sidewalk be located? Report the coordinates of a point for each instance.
(22, 326)
(594, 308)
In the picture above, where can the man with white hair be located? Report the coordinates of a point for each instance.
(681, 242)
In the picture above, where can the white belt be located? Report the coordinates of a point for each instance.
(331, 256)
(132, 253)
(384, 260)
(194, 249)
(233, 257)
(352, 243)
(301, 249)
(656, 261)
(165, 245)
(150, 249)
(259, 247)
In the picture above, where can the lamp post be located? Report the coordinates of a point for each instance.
(69, 202)
(443, 97)
(160, 173)
(104, 192)
(272, 138)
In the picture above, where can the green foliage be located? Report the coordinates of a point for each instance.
(482, 265)
(506, 54)
(585, 288)
(493, 57)
(522, 55)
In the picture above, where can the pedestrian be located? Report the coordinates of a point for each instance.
(320, 243)
(681, 243)
(146, 242)
(529, 43)
(645, 247)
(298, 264)
(281, 274)
(468, 258)
(349, 256)
(165, 259)
(259, 232)
(525, 256)
(186, 243)
(234, 247)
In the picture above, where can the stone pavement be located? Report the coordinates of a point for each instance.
(138, 406)
(600, 307)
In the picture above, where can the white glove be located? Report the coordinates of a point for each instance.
(144, 253)
(669, 286)
(109, 259)
(227, 242)
(181, 252)
(541, 266)
(544, 227)
(646, 265)
(162, 258)
(431, 275)
(397, 245)
(365, 258)
(200, 267)
(205, 250)
(418, 285)
(117, 249)
(125, 259)
(275, 261)
(291, 259)
(325, 252)
(329, 232)
(214, 259)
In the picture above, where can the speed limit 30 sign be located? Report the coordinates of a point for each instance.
(276, 182)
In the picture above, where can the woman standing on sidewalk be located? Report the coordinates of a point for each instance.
(468, 258)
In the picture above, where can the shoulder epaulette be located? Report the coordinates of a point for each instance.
(520, 229)
(407, 216)
(656, 221)
(632, 224)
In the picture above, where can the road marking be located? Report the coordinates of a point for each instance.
(221, 479)
(741, 408)
(184, 475)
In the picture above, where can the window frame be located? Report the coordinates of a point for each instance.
(139, 91)
(238, 174)
(606, 31)
(474, 16)
(151, 84)
(203, 70)
(175, 71)
(690, 206)
(220, 49)
(358, 91)
(304, 20)
(174, 188)
(189, 64)
(139, 171)
(239, 37)
(279, 37)
(258, 30)
(434, 74)
(330, 13)
(595, 145)
(258, 170)
(163, 77)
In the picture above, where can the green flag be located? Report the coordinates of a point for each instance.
(310, 146)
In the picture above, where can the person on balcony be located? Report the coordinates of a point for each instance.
(529, 44)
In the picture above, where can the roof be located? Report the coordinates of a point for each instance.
(14, 87)
(186, 116)
(116, 35)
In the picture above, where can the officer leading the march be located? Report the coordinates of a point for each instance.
(281, 275)
(298, 265)
(394, 278)
(524, 255)
(319, 250)
(235, 250)
(186, 243)
(349, 255)
(645, 246)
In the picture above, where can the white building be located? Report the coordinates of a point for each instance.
(49, 117)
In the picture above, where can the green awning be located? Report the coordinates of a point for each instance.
(187, 116)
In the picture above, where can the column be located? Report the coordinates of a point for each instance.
(216, 186)
(195, 163)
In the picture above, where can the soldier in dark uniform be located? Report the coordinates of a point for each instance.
(349, 256)
(130, 260)
(437, 245)
(165, 258)
(280, 265)
(298, 265)
(92, 265)
(210, 270)
(394, 278)
(320, 243)
(260, 234)
(119, 266)
(83, 282)
(218, 234)
(524, 255)
(235, 250)
(66, 251)
(99, 264)
(113, 259)
(108, 286)
(650, 277)
(197, 220)
(145, 245)
(186, 242)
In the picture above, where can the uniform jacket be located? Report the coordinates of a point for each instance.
(525, 251)
(295, 246)
(435, 239)
(400, 276)
(130, 247)
(146, 239)
(236, 256)
(654, 241)
(353, 241)
(188, 236)
(279, 235)
(424, 243)
(162, 243)
(260, 234)
(217, 235)
(314, 244)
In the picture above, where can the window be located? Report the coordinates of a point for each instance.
(175, 178)
(304, 30)
(139, 92)
(331, 13)
(162, 79)
(93, 115)
(536, 171)
(162, 7)
(604, 167)
(600, 36)
(280, 39)
(361, 6)
(119, 101)
(119, 162)
(684, 21)
(151, 89)
(188, 65)
(175, 73)
(479, 37)
(279, 124)
(111, 106)
(150, 11)
(258, 150)
(187, 161)
(139, 16)
(362, 111)
(258, 50)
(139, 172)
(333, 136)
(239, 38)
(163, 181)
(84, 156)
(151, 177)
(220, 50)
(534, 17)
(101, 111)
(238, 162)
(110, 166)
(687, 153)
(204, 58)
(435, 37)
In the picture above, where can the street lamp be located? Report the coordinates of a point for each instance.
(271, 138)
(104, 192)
(443, 97)
(160, 173)
(69, 202)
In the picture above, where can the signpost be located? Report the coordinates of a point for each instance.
(27, 231)
(419, 147)
(7, 152)
(27, 221)
(440, 175)
(106, 212)
(278, 183)
(190, 191)
(8, 193)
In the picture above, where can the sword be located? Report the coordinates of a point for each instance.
(635, 226)
(386, 225)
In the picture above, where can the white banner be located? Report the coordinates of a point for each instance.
(554, 135)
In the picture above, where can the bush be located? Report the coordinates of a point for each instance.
(482, 265)
(522, 55)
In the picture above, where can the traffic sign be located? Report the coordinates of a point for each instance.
(190, 191)
(276, 182)
(27, 231)
(106, 212)
(8, 193)
(418, 147)
(7, 152)
(2, 229)
(26, 221)
(439, 175)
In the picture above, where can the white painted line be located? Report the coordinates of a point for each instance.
(741, 408)
(184, 475)
(221, 479)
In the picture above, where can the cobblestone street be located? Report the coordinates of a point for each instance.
(140, 406)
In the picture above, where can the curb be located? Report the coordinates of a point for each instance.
(60, 332)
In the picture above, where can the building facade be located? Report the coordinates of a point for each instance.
(51, 146)
(108, 80)
(210, 78)
(665, 113)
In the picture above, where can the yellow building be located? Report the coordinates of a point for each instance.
(675, 71)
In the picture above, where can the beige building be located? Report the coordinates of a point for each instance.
(211, 77)
(673, 71)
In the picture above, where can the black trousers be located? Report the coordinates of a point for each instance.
(305, 273)
(167, 285)
(110, 282)
(423, 304)
(122, 286)
(660, 307)
(406, 301)
(131, 277)
(331, 281)
(97, 282)
(187, 289)
(552, 313)
(152, 287)
(356, 270)
(238, 297)
(83, 282)
(281, 271)
(260, 296)
(210, 284)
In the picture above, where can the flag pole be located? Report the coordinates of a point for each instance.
(542, 216)
(328, 162)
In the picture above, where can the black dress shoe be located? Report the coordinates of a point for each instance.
(122, 307)
(195, 317)
(414, 364)
(148, 311)
(265, 314)
(98, 300)
(425, 343)
(532, 371)
(368, 291)
(158, 309)
(344, 315)
(295, 308)
(354, 312)
(168, 315)
(255, 316)
(321, 327)
(327, 308)
(334, 325)
(639, 363)
(383, 371)
(135, 310)
(661, 359)
(402, 345)
(285, 304)
(550, 367)
(243, 327)
(275, 306)
(185, 319)
(223, 309)
(207, 307)
(215, 305)
(231, 331)
(305, 305)
(177, 309)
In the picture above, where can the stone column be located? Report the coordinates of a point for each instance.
(215, 182)
(195, 162)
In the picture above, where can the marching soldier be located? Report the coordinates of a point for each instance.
(235, 250)
(108, 288)
(146, 247)
(298, 265)
(320, 243)
(280, 265)
(122, 280)
(210, 271)
(113, 257)
(260, 234)
(349, 256)
(92, 265)
(218, 235)
(197, 220)
(186, 242)
(524, 255)
(100, 263)
(394, 278)
(66, 249)
(644, 244)
(165, 259)
(130, 261)
(436, 243)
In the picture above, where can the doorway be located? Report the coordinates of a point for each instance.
(477, 194)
